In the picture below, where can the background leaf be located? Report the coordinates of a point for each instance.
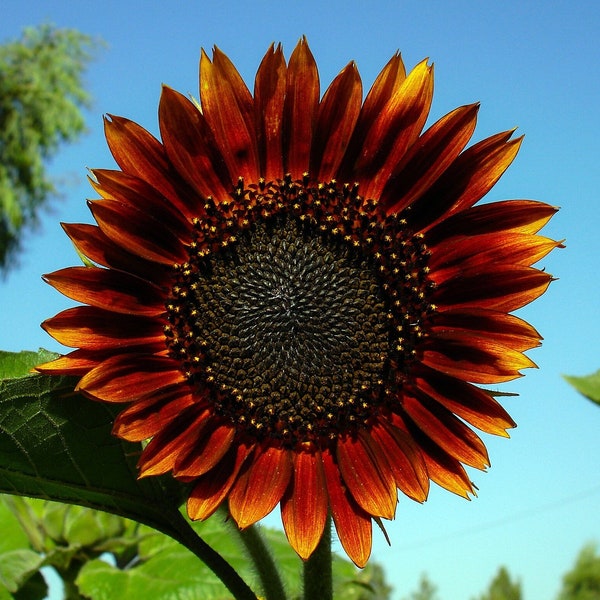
(17, 561)
(165, 569)
(589, 385)
(20, 364)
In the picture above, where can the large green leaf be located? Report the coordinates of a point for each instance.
(57, 445)
(589, 385)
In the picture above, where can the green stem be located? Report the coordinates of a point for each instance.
(263, 562)
(186, 535)
(318, 580)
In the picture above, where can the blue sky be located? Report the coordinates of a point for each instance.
(532, 65)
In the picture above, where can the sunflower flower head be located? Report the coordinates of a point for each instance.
(296, 297)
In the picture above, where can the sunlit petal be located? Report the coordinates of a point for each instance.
(304, 507)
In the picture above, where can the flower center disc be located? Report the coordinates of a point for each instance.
(299, 310)
(294, 329)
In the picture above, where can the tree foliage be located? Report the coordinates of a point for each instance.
(502, 587)
(41, 102)
(582, 582)
(426, 590)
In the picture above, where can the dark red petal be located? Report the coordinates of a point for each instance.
(466, 180)
(450, 434)
(138, 232)
(92, 243)
(469, 402)
(473, 358)
(209, 448)
(300, 110)
(304, 506)
(127, 377)
(367, 475)
(483, 164)
(480, 253)
(394, 130)
(145, 418)
(116, 185)
(212, 488)
(269, 100)
(385, 87)
(505, 289)
(445, 470)
(175, 438)
(105, 288)
(97, 329)
(337, 117)
(508, 330)
(191, 147)
(518, 216)
(426, 160)
(260, 485)
(228, 109)
(405, 460)
(139, 153)
(352, 523)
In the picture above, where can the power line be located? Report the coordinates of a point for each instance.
(517, 516)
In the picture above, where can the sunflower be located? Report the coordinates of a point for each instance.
(296, 297)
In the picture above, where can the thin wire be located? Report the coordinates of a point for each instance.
(518, 516)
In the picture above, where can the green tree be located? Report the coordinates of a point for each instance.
(41, 102)
(425, 591)
(502, 587)
(377, 587)
(582, 582)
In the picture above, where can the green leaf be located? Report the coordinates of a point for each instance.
(165, 570)
(19, 364)
(589, 386)
(17, 566)
(168, 570)
(13, 537)
(17, 561)
(61, 533)
(90, 528)
(57, 445)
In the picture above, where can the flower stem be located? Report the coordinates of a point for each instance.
(263, 562)
(318, 580)
(185, 534)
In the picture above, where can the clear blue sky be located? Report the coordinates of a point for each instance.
(531, 64)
